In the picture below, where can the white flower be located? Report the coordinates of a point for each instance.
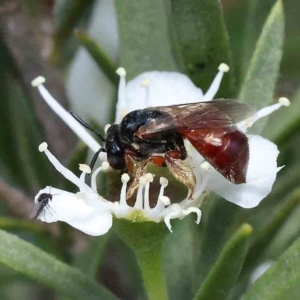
(92, 214)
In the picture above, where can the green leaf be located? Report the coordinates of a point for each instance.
(285, 123)
(19, 131)
(89, 260)
(180, 262)
(145, 239)
(225, 271)
(202, 40)
(217, 228)
(72, 13)
(280, 279)
(259, 83)
(99, 56)
(266, 235)
(38, 265)
(144, 37)
(263, 239)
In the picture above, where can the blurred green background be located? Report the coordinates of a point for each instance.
(76, 45)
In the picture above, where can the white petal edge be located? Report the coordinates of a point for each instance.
(160, 88)
(261, 175)
(73, 209)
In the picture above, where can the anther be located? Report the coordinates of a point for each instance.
(223, 68)
(284, 101)
(121, 72)
(163, 181)
(165, 200)
(142, 180)
(43, 147)
(38, 81)
(149, 177)
(85, 168)
(106, 127)
(125, 178)
(105, 165)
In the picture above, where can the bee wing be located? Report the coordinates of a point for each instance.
(221, 113)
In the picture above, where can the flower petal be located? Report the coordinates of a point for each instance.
(160, 88)
(74, 210)
(261, 174)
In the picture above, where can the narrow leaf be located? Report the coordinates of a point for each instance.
(280, 279)
(89, 260)
(225, 272)
(258, 87)
(144, 37)
(199, 30)
(99, 56)
(38, 265)
(285, 123)
(266, 235)
(71, 15)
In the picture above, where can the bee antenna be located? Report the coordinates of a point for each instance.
(87, 126)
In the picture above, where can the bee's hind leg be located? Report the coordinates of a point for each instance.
(182, 172)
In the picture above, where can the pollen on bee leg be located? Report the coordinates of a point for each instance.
(214, 87)
(270, 109)
(195, 210)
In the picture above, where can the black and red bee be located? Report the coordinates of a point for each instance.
(157, 134)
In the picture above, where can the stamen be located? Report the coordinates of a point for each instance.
(214, 87)
(94, 178)
(60, 168)
(146, 85)
(270, 109)
(174, 211)
(125, 179)
(149, 178)
(139, 198)
(65, 116)
(85, 168)
(195, 210)
(160, 204)
(121, 105)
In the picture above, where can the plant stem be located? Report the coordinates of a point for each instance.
(146, 239)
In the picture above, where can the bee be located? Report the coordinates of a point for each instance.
(43, 201)
(156, 135)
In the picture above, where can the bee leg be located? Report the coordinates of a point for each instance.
(182, 172)
(137, 174)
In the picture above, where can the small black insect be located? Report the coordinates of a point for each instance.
(43, 200)
(157, 134)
